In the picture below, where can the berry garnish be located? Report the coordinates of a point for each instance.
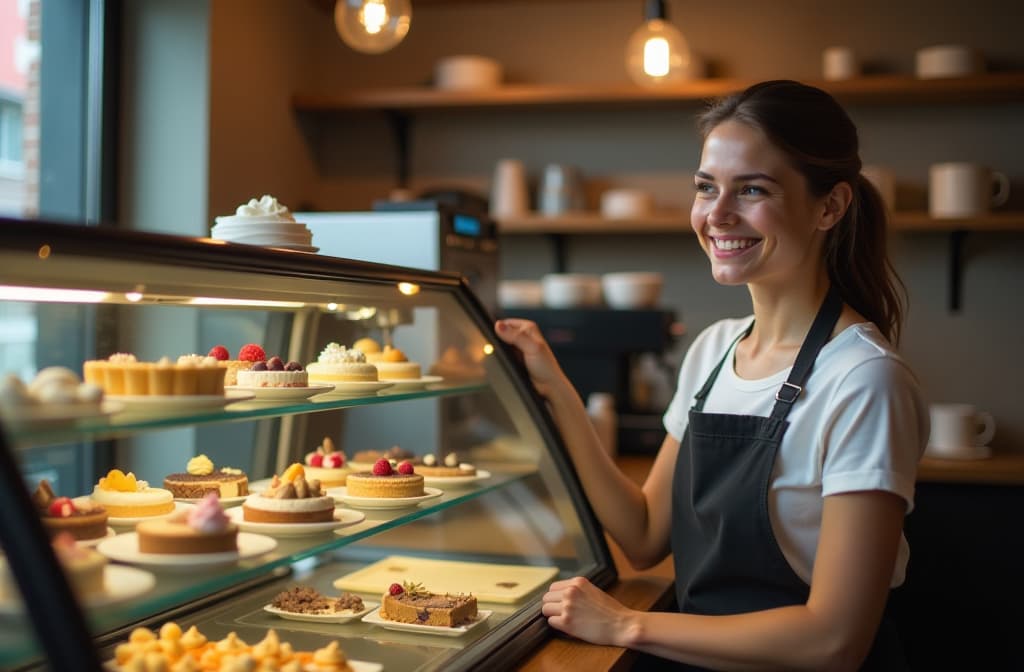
(293, 366)
(395, 589)
(219, 352)
(260, 366)
(252, 353)
(334, 460)
(382, 467)
(275, 364)
(62, 507)
(315, 460)
(405, 467)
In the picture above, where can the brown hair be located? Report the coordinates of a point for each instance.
(821, 141)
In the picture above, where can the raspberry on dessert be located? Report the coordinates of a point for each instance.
(251, 352)
(62, 507)
(219, 352)
(382, 467)
(333, 460)
(316, 460)
(405, 467)
(395, 589)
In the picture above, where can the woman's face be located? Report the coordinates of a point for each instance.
(753, 213)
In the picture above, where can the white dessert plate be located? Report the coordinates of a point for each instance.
(131, 522)
(165, 403)
(297, 248)
(90, 543)
(406, 384)
(34, 414)
(457, 631)
(278, 393)
(457, 481)
(225, 502)
(121, 583)
(351, 387)
(385, 502)
(342, 517)
(337, 617)
(125, 548)
(967, 453)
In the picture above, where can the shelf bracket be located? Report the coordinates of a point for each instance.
(956, 268)
(400, 128)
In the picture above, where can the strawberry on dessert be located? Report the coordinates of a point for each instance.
(82, 519)
(327, 465)
(248, 355)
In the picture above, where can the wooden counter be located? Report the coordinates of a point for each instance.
(1003, 468)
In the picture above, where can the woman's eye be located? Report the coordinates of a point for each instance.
(753, 190)
(704, 187)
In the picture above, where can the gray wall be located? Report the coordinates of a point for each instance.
(263, 51)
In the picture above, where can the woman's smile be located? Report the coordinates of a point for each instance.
(726, 247)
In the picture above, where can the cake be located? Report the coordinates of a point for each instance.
(54, 385)
(290, 499)
(339, 364)
(326, 464)
(306, 600)
(274, 373)
(449, 467)
(411, 603)
(83, 567)
(201, 478)
(394, 365)
(248, 355)
(365, 459)
(204, 529)
(266, 221)
(385, 481)
(124, 496)
(82, 519)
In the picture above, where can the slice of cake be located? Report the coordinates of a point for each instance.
(327, 465)
(201, 477)
(336, 363)
(274, 373)
(81, 519)
(411, 603)
(204, 529)
(124, 496)
(84, 567)
(290, 499)
(450, 467)
(394, 365)
(386, 481)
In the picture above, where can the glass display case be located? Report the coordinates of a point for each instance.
(71, 294)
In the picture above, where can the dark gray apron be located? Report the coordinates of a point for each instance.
(727, 560)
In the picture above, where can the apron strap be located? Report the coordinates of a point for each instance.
(817, 337)
(703, 392)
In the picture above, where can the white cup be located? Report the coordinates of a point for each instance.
(509, 194)
(839, 63)
(884, 180)
(965, 189)
(959, 430)
(948, 60)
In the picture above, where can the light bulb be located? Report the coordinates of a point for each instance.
(657, 53)
(372, 26)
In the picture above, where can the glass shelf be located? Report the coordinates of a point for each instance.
(128, 422)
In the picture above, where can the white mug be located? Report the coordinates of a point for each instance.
(965, 189)
(839, 63)
(959, 430)
(884, 180)
(509, 194)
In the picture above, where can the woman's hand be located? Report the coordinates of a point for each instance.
(545, 373)
(579, 608)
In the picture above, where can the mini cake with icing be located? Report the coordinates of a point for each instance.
(124, 496)
(449, 467)
(274, 373)
(201, 478)
(84, 568)
(248, 355)
(394, 365)
(327, 465)
(204, 529)
(336, 363)
(82, 519)
(290, 499)
(386, 481)
(411, 603)
(263, 221)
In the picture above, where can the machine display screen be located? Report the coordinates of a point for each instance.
(464, 225)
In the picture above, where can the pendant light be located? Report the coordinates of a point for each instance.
(657, 53)
(372, 26)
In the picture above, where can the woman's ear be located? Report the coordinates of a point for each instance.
(836, 203)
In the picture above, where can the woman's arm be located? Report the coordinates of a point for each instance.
(834, 630)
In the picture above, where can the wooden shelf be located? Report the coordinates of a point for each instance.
(679, 222)
(996, 86)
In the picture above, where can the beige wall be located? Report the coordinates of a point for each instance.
(263, 51)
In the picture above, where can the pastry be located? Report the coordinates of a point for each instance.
(84, 568)
(394, 365)
(204, 529)
(274, 373)
(306, 600)
(248, 355)
(200, 478)
(327, 465)
(54, 385)
(449, 467)
(411, 603)
(331, 659)
(81, 519)
(198, 374)
(124, 496)
(290, 499)
(338, 364)
(386, 481)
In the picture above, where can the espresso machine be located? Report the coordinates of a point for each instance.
(613, 351)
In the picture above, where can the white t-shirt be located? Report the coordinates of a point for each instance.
(859, 424)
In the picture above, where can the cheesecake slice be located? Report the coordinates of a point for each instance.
(411, 603)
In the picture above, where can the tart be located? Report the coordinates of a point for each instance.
(386, 481)
(204, 529)
(81, 519)
(327, 465)
(290, 499)
(124, 496)
(201, 477)
(450, 467)
(411, 603)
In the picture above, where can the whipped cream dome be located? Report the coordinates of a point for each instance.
(262, 222)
